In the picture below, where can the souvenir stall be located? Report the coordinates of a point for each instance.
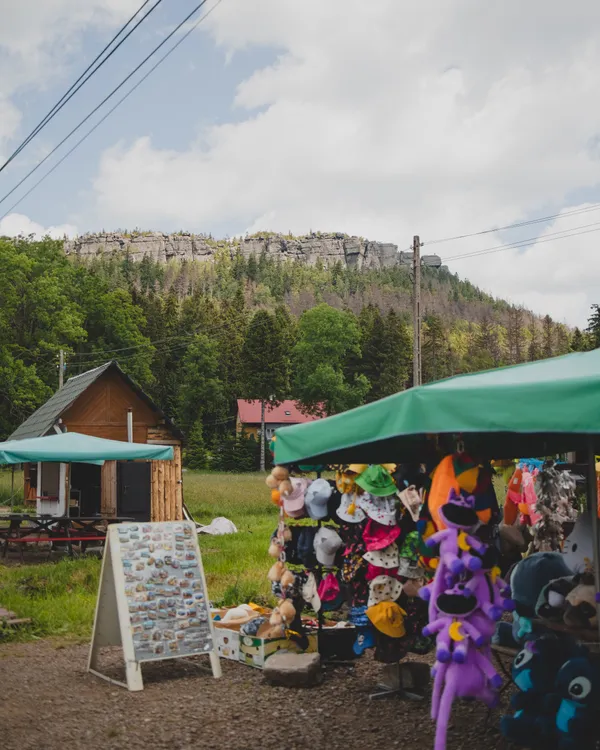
(538, 409)
(352, 545)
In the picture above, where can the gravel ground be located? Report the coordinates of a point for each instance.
(50, 702)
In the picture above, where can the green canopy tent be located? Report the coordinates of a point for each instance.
(72, 447)
(536, 409)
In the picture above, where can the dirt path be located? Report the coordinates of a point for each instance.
(49, 702)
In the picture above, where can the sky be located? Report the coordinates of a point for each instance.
(384, 119)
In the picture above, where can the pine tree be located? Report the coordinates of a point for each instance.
(195, 452)
(548, 343)
(434, 350)
(252, 268)
(534, 342)
(594, 326)
(515, 335)
(265, 365)
(561, 336)
(579, 342)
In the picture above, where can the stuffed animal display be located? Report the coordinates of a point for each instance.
(558, 699)
(465, 597)
(534, 669)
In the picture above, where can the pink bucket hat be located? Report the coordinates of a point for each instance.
(329, 588)
(293, 502)
(378, 536)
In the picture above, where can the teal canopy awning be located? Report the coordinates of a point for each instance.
(72, 447)
(538, 408)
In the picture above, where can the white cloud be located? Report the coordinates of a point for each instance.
(389, 119)
(38, 38)
(14, 225)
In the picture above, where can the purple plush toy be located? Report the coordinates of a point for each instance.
(491, 591)
(460, 516)
(453, 629)
(476, 678)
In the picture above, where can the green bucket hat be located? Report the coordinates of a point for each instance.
(376, 481)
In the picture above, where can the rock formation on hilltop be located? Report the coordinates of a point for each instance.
(354, 252)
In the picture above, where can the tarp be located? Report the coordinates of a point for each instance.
(538, 408)
(72, 447)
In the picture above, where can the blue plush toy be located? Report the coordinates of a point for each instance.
(577, 716)
(534, 669)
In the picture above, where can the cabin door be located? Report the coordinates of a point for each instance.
(133, 490)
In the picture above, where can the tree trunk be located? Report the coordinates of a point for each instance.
(262, 436)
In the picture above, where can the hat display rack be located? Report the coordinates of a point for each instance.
(307, 553)
(368, 559)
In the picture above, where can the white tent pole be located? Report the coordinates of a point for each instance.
(592, 494)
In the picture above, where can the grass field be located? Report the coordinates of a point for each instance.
(60, 596)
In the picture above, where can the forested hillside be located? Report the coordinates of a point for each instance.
(197, 336)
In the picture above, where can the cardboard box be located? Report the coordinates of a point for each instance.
(228, 641)
(255, 651)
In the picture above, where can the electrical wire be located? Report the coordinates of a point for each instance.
(540, 220)
(523, 243)
(112, 93)
(110, 111)
(70, 93)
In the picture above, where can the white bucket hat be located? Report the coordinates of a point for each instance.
(310, 593)
(349, 500)
(384, 558)
(315, 500)
(384, 589)
(380, 509)
(327, 543)
(412, 501)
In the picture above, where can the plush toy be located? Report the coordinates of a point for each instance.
(453, 629)
(491, 591)
(476, 678)
(534, 669)
(580, 609)
(527, 580)
(578, 689)
(455, 543)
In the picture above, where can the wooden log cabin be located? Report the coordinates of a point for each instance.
(106, 403)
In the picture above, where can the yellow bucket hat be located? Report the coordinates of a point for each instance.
(357, 468)
(388, 617)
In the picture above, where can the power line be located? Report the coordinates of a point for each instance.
(541, 220)
(70, 93)
(110, 111)
(114, 91)
(524, 243)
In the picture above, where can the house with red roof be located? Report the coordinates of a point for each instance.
(287, 413)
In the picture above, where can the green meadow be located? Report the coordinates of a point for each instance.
(59, 596)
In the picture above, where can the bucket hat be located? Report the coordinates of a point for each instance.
(412, 501)
(381, 509)
(293, 502)
(316, 498)
(310, 593)
(384, 558)
(329, 588)
(365, 638)
(349, 510)
(377, 481)
(358, 616)
(388, 618)
(384, 589)
(378, 536)
(327, 543)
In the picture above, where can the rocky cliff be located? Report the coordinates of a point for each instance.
(329, 248)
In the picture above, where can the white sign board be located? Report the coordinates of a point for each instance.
(152, 599)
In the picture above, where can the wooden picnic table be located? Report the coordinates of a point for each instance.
(25, 528)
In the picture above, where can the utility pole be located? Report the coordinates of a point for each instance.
(61, 368)
(417, 310)
(262, 435)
